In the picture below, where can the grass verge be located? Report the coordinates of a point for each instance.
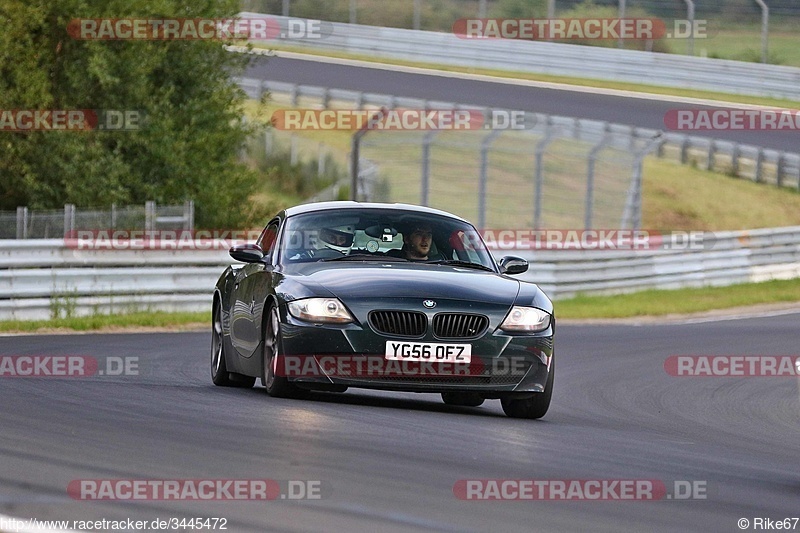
(640, 304)
(679, 301)
(131, 321)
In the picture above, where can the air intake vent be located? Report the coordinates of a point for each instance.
(458, 325)
(401, 323)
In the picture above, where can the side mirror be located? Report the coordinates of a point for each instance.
(247, 253)
(513, 265)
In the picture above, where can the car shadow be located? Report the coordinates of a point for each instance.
(428, 404)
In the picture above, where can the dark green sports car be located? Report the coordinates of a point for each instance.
(382, 296)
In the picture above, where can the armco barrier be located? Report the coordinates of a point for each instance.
(44, 278)
(669, 70)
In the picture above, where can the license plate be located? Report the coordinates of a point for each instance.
(428, 351)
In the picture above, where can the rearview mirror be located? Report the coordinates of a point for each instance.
(513, 265)
(247, 253)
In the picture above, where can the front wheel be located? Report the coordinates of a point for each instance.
(277, 386)
(534, 407)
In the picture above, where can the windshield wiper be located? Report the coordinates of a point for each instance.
(455, 262)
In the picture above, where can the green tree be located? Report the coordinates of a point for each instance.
(189, 145)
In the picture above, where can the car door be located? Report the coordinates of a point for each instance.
(247, 299)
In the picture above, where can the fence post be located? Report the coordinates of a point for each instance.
(587, 222)
(188, 215)
(22, 222)
(483, 178)
(113, 216)
(685, 150)
(621, 16)
(690, 16)
(69, 219)
(764, 30)
(293, 150)
(541, 146)
(427, 139)
(326, 97)
(353, 11)
(632, 214)
(780, 168)
(735, 160)
(712, 148)
(759, 177)
(356, 148)
(268, 141)
(285, 8)
(149, 216)
(321, 159)
(294, 94)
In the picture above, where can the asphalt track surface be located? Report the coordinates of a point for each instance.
(389, 461)
(646, 113)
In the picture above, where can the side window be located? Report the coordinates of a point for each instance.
(269, 238)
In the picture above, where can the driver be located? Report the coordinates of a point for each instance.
(339, 238)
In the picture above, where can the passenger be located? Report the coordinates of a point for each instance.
(417, 241)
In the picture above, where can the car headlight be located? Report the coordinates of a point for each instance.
(529, 319)
(325, 310)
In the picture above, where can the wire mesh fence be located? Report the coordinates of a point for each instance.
(56, 223)
(544, 177)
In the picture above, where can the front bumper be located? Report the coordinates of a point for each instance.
(353, 355)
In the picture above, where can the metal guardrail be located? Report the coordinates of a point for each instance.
(745, 161)
(44, 278)
(734, 257)
(558, 59)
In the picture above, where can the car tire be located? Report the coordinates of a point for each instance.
(535, 406)
(219, 367)
(277, 386)
(464, 399)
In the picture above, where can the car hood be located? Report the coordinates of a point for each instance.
(393, 280)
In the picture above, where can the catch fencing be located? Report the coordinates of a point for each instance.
(559, 172)
(25, 223)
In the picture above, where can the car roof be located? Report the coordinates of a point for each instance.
(344, 205)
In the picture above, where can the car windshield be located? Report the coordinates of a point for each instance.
(383, 235)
